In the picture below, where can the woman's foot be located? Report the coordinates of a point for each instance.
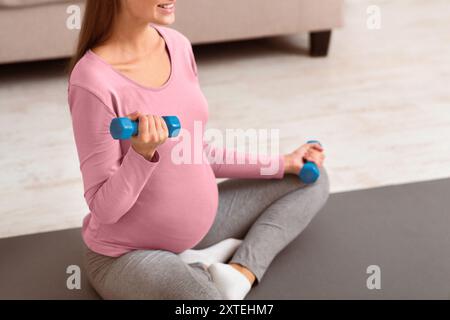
(231, 283)
(219, 252)
(250, 276)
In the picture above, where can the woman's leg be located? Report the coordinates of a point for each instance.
(267, 214)
(148, 274)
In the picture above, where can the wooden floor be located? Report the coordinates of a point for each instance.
(380, 104)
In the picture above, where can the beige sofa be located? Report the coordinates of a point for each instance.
(36, 29)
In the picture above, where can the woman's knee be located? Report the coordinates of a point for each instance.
(321, 188)
(319, 191)
(323, 183)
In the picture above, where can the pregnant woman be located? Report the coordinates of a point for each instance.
(158, 229)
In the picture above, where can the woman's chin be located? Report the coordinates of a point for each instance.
(165, 20)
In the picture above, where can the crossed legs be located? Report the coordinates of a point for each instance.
(266, 214)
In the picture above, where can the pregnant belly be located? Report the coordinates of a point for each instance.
(174, 212)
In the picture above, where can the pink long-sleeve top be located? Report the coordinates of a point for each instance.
(136, 203)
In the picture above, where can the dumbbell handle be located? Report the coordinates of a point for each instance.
(309, 172)
(123, 128)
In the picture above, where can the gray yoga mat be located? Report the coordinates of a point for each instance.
(404, 230)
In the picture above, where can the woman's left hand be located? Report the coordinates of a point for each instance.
(312, 152)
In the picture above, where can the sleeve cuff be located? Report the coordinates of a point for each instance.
(280, 173)
(141, 160)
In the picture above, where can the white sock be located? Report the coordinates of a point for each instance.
(219, 252)
(231, 283)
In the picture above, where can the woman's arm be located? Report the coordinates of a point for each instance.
(232, 164)
(225, 162)
(112, 182)
(265, 167)
(241, 165)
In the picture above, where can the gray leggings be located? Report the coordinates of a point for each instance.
(266, 214)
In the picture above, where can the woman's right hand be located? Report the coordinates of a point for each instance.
(152, 132)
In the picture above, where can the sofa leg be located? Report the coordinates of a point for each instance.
(319, 42)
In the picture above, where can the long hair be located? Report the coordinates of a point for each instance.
(96, 28)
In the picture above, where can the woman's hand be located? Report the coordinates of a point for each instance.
(152, 132)
(294, 161)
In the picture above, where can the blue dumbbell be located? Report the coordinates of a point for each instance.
(310, 172)
(124, 128)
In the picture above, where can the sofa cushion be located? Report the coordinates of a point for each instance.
(24, 3)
